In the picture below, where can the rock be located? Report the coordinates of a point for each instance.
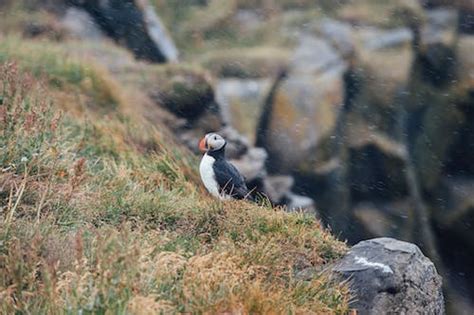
(377, 51)
(135, 24)
(388, 276)
(158, 33)
(277, 187)
(301, 116)
(81, 25)
(241, 102)
(314, 56)
(252, 164)
(384, 14)
(296, 202)
(187, 94)
(248, 20)
(303, 105)
(389, 219)
(466, 20)
(465, 67)
(237, 145)
(376, 39)
(440, 27)
(376, 166)
(339, 34)
(246, 63)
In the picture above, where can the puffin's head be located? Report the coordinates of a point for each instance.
(211, 142)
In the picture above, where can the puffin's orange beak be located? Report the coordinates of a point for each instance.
(203, 145)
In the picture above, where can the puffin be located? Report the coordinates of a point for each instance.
(221, 178)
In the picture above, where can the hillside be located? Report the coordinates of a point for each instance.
(102, 210)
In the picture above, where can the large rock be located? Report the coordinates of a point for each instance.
(377, 51)
(81, 25)
(376, 164)
(134, 24)
(380, 219)
(465, 68)
(245, 63)
(241, 101)
(338, 33)
(388, 276)
(304, 107)
(188, 94)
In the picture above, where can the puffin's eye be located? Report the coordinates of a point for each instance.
(215, 137)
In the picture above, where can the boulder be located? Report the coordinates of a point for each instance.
(241, 101)
(252, 164)
(134, 24)
(465, 67)
(376, 165)
(80, 25)
(304, 105)
(377, 87)
(314, 56)
(440, 27)
(277, 187)
(388, 276)
(379, 219)
(301, 116)
(385, 14)
(295, 202)
(187, 92)
(246, 63)
(338, 33)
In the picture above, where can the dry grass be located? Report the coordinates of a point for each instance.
(105, 214)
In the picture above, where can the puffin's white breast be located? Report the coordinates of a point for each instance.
(207, 175)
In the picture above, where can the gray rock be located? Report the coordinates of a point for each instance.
(441, 26)
(252, 164)
(237, 145)
(465, 47)
(303, 112)
(300, 203)
(376, 39)
(158, 33)
(277, 187)
(81, 25)
(241, 102)
(314, 55)
(339, 34)
(132, 23)
(388, 276)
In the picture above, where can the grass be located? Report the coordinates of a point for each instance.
(40, 58)
(105, 214)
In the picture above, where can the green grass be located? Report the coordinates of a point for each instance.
(62, 72)
(103, 214)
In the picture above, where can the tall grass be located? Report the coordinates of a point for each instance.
(107, 216)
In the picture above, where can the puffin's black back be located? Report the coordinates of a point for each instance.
(230, 181)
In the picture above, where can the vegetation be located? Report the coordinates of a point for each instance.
(102, 212)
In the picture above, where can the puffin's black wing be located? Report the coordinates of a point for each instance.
(230, 181)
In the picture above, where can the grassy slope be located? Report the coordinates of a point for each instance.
(103, 213)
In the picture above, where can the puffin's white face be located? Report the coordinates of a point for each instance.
(211, 142)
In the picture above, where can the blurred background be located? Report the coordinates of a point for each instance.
(360, 112)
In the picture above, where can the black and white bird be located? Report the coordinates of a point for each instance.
(220, 177)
